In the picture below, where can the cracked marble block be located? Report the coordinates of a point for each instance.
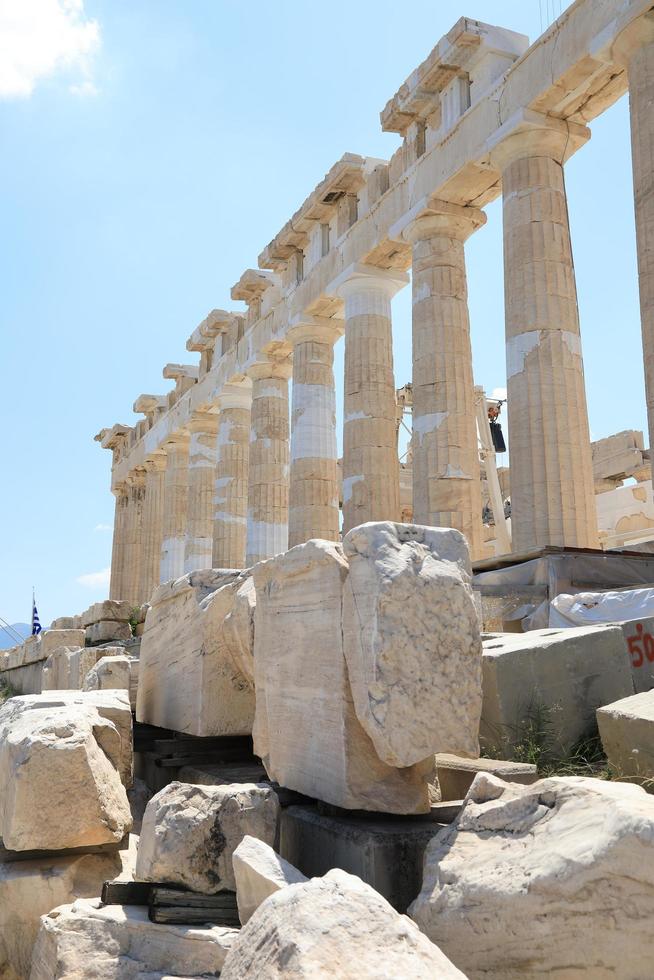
(552, 879)
(306, 728)
(188, 682)
(411, 641)
(189, 833)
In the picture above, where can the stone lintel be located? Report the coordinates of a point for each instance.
(455, 54)
(632, 38)
(113, 437)
(252, 285)
(347, 176)
(443, 218)
(529, 133)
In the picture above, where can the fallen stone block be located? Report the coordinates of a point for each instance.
(238, 627)
(112, 705)
(306, 730)
(259, 872)
(29, 889)
(109, 673)
(639, 637)
(52, 639)
(412, 641)
(60, 776)
(455, 775)
(334, 926)
(119, 941)
(64, 623)
(187, 682)
(506, 887)
(189, 833)
(118, 610)
(57, 669)
(554, 679)
(627, 732)
(108, 630)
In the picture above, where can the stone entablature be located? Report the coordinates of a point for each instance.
(477, 106)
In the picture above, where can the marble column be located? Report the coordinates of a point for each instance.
(552, 489)
(371, 486)
(134, 536)
(635, 49)
(230, 501)
(203, 428)
(446, 477)
(155, 469)
(267, 527)
(313, 490)
(175, 508)
(116, 584)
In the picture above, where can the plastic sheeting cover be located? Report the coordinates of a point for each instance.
(592, 608)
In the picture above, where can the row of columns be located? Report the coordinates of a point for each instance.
(238, 487)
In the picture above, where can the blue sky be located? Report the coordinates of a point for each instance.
(151, 149)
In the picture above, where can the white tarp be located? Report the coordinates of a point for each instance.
(591, 608)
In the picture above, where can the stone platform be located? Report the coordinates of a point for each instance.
(384, 851)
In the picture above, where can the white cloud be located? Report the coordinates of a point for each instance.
(39, 37)
(95, 580)
(103, 527)
(499, 394)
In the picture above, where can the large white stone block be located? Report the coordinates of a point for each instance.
(118, 610)
(187, 682)
(56, 673)
(552, 879)
(109, 673)
(29, 889)
(189, 833)
(238, 626)
(107, 631)
(412, 640)
(62, 769)
(567, 672)
(259, 872)
(118, 942)
(335, 926)
(306, 729)
(627, 732)
(52, 639)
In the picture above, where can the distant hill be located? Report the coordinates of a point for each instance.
(7, 640)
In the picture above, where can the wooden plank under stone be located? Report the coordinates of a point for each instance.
(168, 915)
(177, 897)
(126, 893)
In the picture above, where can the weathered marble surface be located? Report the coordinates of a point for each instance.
(238, 626)
(118, 942)
(306, 729)
(627, 731)
(29, 889)
(118, 610)
(335, 926)
(60, 775)
(187, 682)
(552, 879)
(411, 640)
(259, 872)
(189, 833)
(109, 673)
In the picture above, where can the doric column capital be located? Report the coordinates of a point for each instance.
(155, 462)
(235, 396)
(443, 218)
(532, 134)
(320, 329)
(270, 369)
(359, 277)
(634, 37)
(136, 477)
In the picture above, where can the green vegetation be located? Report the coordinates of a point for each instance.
(134, 619)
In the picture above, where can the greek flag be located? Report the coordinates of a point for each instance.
(36, 626)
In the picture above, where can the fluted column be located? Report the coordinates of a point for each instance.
(635, 49)
(116, 583)
(552, 490)
(155, 469)
(446, 478)
(175, 508)
(313, 490)
(267, 527)
(134, 536)
(203, 428)
(371, 483)
(230, 499)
